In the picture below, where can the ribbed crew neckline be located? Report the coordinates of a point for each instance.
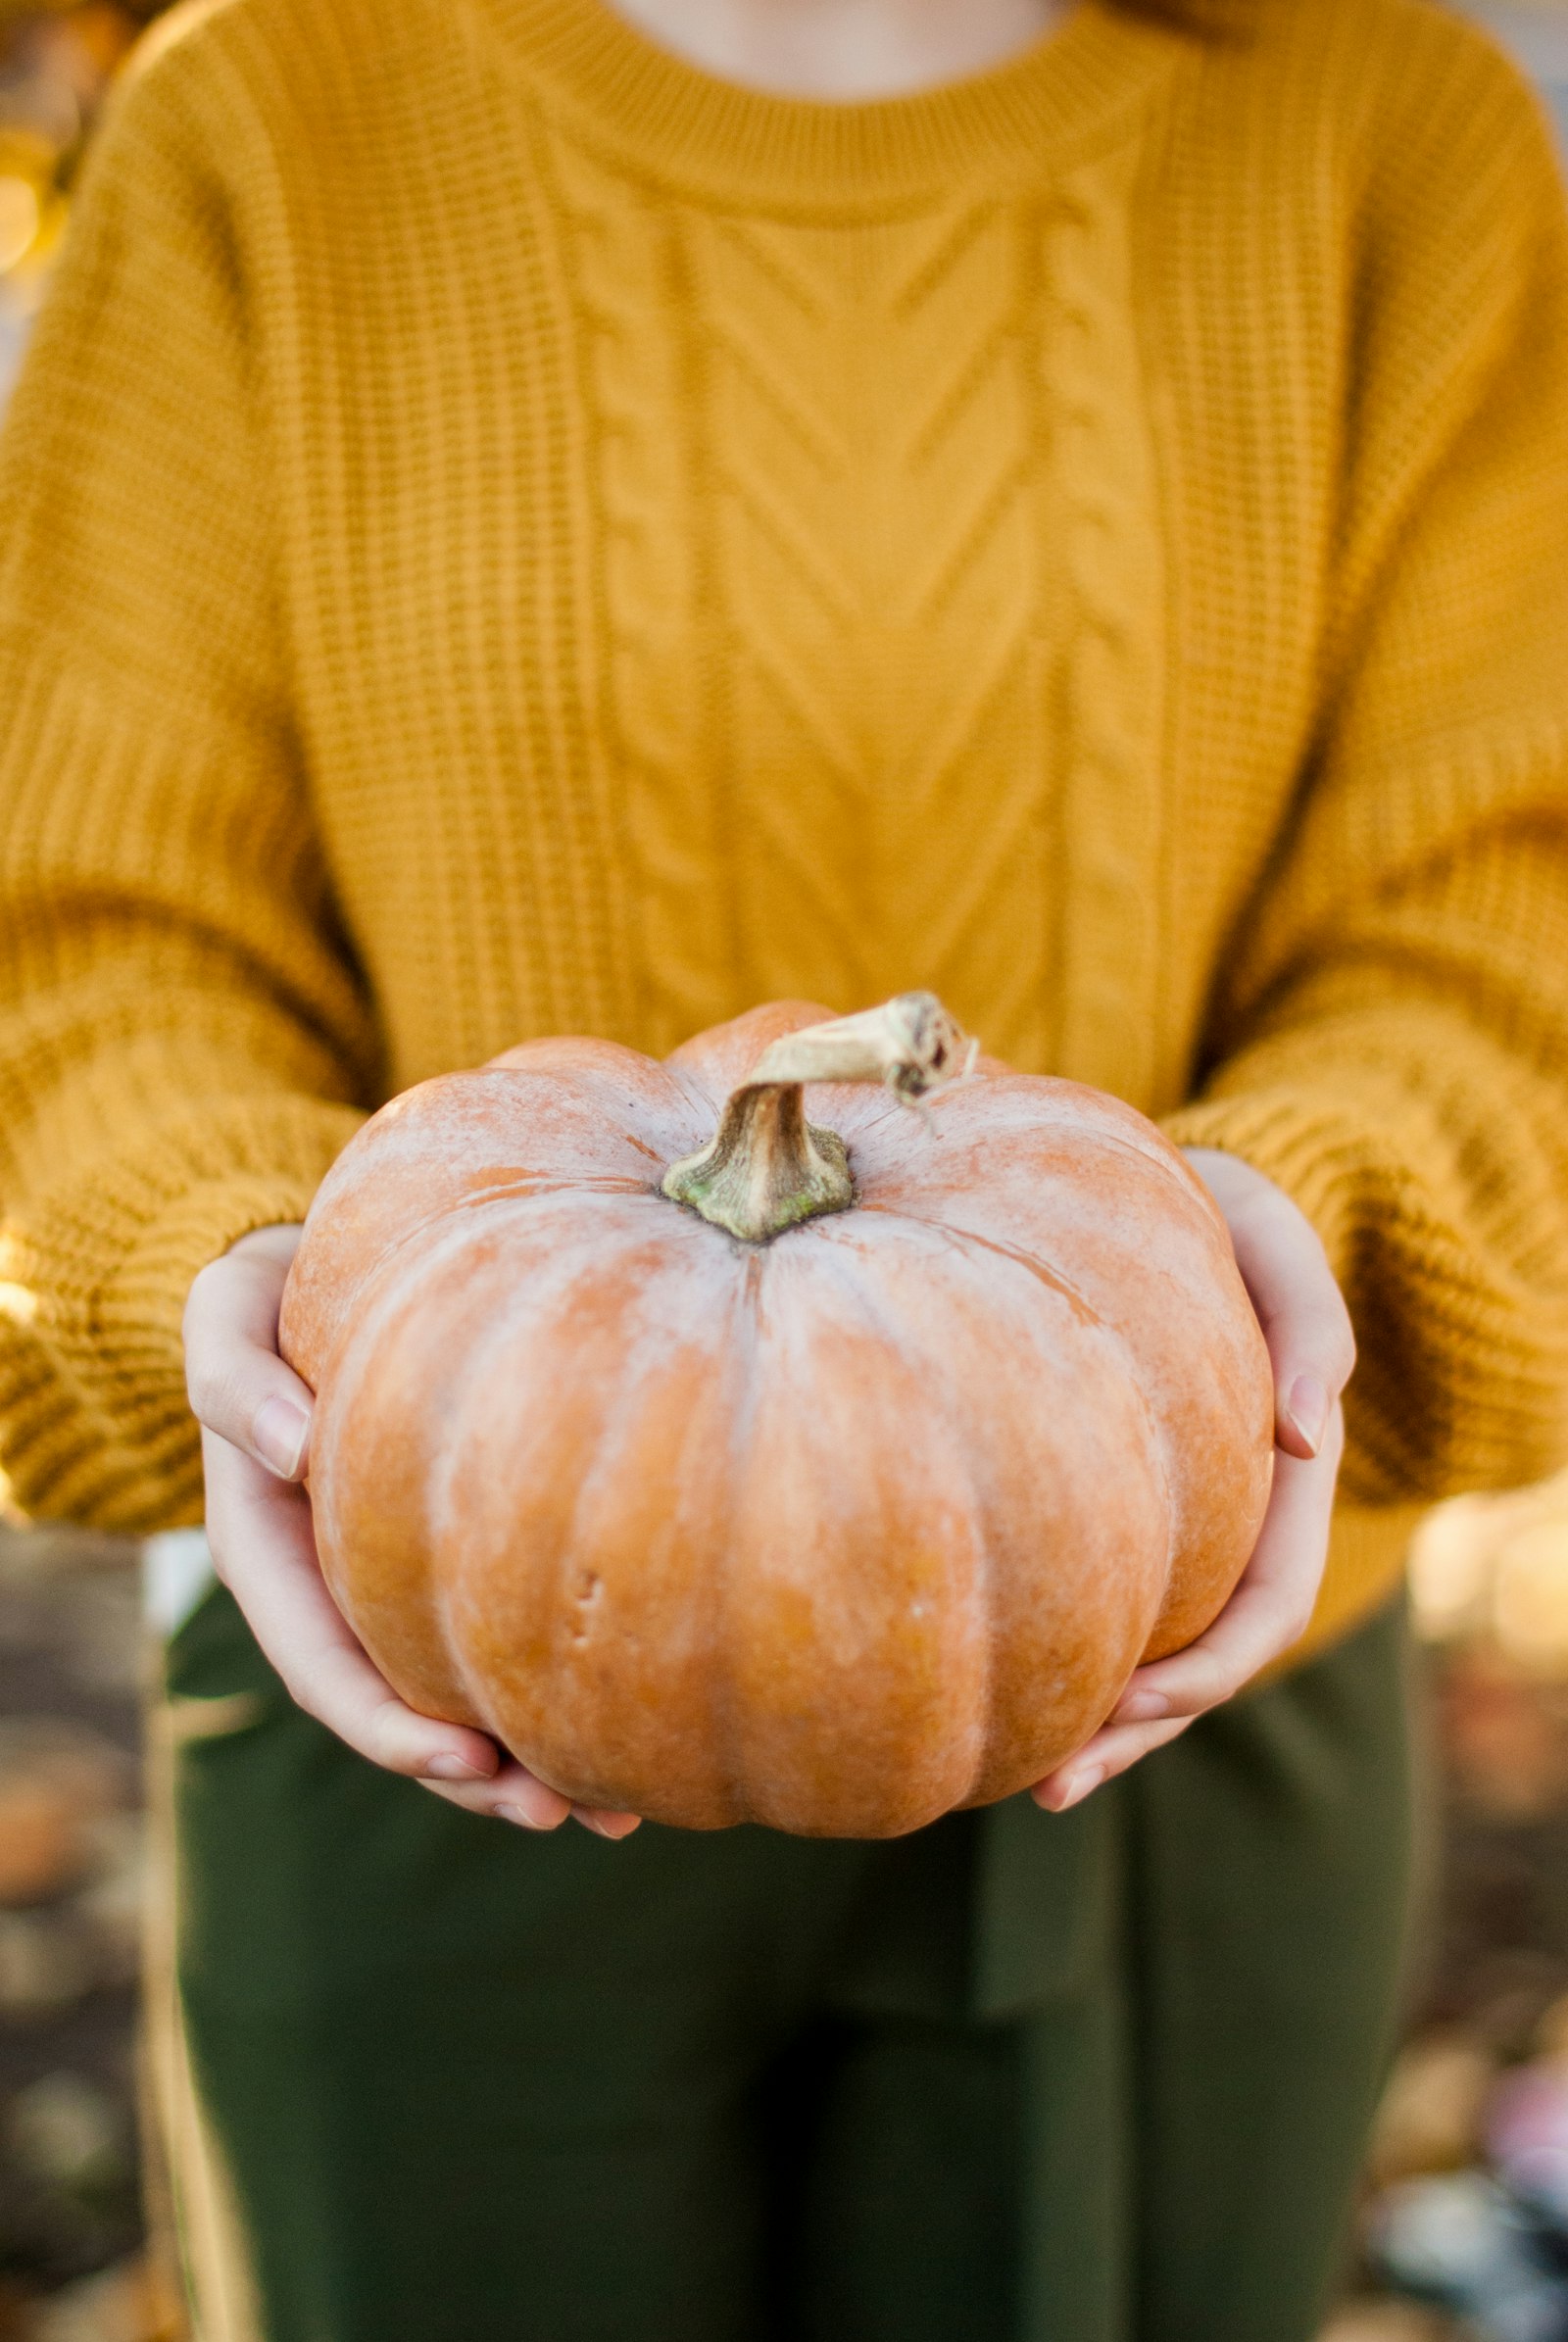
(677, 121)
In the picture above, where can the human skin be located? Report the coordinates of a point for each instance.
(256, 1424)
(843, 50)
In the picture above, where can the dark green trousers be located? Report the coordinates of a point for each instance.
(1017, 2079)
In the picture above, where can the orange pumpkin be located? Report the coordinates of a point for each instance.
(828, 1473)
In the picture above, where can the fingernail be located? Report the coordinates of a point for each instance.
(1080, 1785)
(448, 1766)
(515, 1813)
(279, 1435)
(614, 1831)
(1142, 1707)
(1308, 1408)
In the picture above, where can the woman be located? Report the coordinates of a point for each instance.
(529, 515)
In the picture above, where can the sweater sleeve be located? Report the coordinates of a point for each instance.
(184, 1045)
(1389, 1039)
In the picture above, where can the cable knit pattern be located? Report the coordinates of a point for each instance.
(820, 468)
(507, 534)
(1113, 810)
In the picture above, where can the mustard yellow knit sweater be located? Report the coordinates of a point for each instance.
(504, 534)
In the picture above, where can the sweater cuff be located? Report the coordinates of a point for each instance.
(1463, 1354)
(94, 1421)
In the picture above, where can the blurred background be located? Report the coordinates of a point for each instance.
(1464, 2222)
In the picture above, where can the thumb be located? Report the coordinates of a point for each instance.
(238, 1386)
(1300, 1307)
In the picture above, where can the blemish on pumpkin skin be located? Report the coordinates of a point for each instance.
(586, 1595)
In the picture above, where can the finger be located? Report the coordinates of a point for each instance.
(507, 1795)
(1271, 1607)
(1113, 1749)
(238, 1386)
(605, 1821)
(1301, 1311)
(512, 1794)
(279, 1242)
(1266, 1615)
(264, 1550)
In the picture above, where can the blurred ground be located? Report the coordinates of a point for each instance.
(69, 1885)
(1466, 2198)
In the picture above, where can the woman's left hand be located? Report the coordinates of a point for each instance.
(1307, 1330)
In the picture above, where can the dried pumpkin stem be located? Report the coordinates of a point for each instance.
(766, 1167)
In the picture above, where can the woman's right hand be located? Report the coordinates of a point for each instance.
(255, 1415)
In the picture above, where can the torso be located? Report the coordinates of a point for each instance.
(798, 550)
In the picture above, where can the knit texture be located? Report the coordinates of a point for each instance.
(505, 534)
